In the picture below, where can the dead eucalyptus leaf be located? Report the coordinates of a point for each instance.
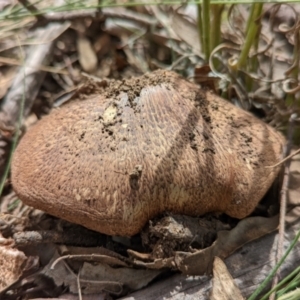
(227, 242)
(223, 286)
(164, 18)
(61, 274)
(133, 279)
(187, 31)
(97, 277)
(12, 262)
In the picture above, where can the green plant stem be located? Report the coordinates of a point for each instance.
(251, 17)
(206, 28)
(281, 283)
(200, 24)
(216, 12)
(273, 272)
(252, 27)
(216, 20)
(253, 63)
(294, 295)
(294, 283)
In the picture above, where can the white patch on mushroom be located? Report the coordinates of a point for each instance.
(109, 114)
(248, 165)
(86, 192)
(114, 202)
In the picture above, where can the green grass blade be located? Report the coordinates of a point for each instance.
(273, 272)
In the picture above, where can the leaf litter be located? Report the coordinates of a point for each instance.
(172, 242)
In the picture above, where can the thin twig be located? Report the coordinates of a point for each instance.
(78, 284)
(283, 200)
(106, 257)
(285, 159)
(107, 12)
(32, 8)
(49, 69)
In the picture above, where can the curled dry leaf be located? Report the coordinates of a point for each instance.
(140, 147)
(223, 286)
(227, 242)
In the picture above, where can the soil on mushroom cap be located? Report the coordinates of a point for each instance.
(113, 88)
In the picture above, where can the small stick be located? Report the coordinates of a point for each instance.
(107, 12)
(67, 237)
(32, 8)
(79, 285)
(285, 159)
(283, 200)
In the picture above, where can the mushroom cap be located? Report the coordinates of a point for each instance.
(117, 156)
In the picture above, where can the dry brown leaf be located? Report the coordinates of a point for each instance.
(61, 274)
(12, 262)
(223, 286)
(96, 277)
(187, 31)
(163, 16)
(87, 56)
(133, 279)
(227, 242)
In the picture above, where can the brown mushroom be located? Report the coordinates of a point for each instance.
(117, 156)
